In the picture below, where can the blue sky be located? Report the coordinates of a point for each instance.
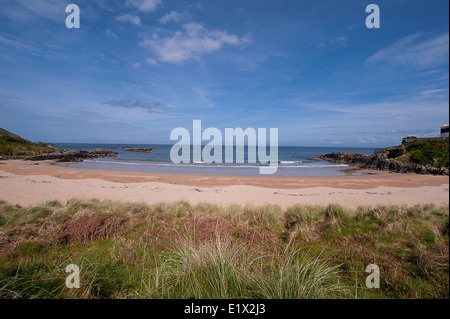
(136, 69)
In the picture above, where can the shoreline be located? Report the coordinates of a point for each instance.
(30, 183)
(213, 169)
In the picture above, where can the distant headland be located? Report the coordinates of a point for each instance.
(415, 155)
(13, 146)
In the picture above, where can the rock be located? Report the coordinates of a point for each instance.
(381, 162)
(103, 153)
(138, 149)
(72, 156)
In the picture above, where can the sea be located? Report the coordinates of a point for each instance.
(292, 161)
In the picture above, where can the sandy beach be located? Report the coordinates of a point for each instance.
(29, 183)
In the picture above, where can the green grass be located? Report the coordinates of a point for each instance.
(134, 250)
(426, 153)
(17, 146)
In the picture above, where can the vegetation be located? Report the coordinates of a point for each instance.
(133, 250)
(13, 145)
(427, 153)
(8, 133)
(435, 153)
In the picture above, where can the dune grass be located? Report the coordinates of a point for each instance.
(178, 250)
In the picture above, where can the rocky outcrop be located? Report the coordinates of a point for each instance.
(381, 162)
(138, 149)
(66, 156)
(102, 153)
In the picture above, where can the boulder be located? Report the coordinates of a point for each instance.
(381, 162)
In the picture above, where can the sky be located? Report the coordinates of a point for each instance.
(137, 69)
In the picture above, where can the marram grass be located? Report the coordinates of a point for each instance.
(178, 250)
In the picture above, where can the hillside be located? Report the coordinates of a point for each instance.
(17, 146)
(8, 133)
(427, 153)
(14, 145)
(422, 157)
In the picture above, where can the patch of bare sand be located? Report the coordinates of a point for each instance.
(25, 183)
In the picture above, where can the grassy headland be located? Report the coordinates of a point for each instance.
(422, 156)
(433, 153)
(131, 250)
(14, 145)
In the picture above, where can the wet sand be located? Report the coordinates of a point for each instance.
(30, 183)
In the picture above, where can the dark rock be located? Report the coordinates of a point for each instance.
(381, 162)
(72, 156)
(138, 149)
(63, 155)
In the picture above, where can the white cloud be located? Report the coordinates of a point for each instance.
(391, 118)
(171, 16)
(429, 92)
(144, 5)
(170, 106)
(194, 41)
(136, 65)
(133, 19)
(152, 61)
(415, 51)
(367, 140)
(339, 41)
(111, 34)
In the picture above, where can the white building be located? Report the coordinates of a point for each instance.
(444, 131)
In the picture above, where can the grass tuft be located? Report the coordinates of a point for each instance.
(179, 250)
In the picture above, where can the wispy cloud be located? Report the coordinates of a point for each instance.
(415, 51)
(136, 65)
(171, 16)
(21, 44)
(53, 9)
(144, 5)
(151, 61)
(202, 99)
(429, 107)
(191, 43)
(111, 34)
(133, 19)
(337, 41)
(134, 103)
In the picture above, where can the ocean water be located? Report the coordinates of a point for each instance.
(292, 161)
